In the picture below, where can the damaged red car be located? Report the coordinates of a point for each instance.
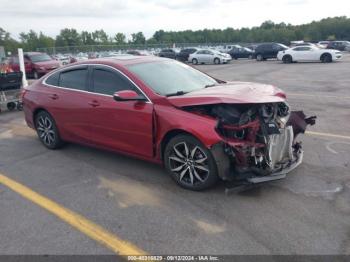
(200, 128)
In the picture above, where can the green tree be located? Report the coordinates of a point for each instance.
(138, 38)
(68, 37)
(119, 39)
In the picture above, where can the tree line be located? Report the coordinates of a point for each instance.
(336, 28)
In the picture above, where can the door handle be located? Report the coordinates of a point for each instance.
(54, 96)
(94, 103)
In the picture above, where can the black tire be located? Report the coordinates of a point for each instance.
(11, 106)
(194, 61)
(216, 61)
(183, 167)
(326, 58)
(47, 130)
(259, 57)
(287, 59)
(250, 57)
(19, 106)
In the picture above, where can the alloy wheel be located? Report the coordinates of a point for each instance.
(189, 163)
(46, 130)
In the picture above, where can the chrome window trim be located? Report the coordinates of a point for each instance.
(84, 91)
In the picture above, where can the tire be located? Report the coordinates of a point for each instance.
(47, 130)
(287, 59)
(326, 58)
(19, 106)
(194, 61)
(259, 57)
(250, 57)
(35, 75)
(193, 168)
(11, 106)
(216, 61)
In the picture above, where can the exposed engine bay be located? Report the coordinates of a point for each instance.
(259, 140)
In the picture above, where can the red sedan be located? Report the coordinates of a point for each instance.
(202, 129)
(36, 64)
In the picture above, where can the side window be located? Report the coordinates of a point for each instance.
(276, 47)
(53, 79)
(107, 82)
(74, 79)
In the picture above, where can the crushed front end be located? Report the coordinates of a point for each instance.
(258, 140)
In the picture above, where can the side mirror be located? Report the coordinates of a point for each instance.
(127, 95)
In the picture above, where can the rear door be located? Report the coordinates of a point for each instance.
(124, 125)
(68, 101)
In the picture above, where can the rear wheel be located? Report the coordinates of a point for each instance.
(47, 130)
(11, 106)
(259, 57)
(250, 57)
(194, 61)
(190, 163)
(287, 59)
(326, 58)
(216, 61)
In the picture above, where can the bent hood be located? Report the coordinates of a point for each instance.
(230, 93)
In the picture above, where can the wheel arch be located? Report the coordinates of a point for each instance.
(324, 54)
(171, 134)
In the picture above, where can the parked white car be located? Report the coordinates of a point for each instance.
(207, 56)
(308, 53)
(322, 44)
(227, 48)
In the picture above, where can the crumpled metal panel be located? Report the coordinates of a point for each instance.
(280, 148)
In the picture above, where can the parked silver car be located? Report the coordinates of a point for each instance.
(207, 56)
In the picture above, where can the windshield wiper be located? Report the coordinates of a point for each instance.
(206, 86)
(178, 93)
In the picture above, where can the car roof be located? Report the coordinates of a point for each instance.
(123, 60)
(33, 53)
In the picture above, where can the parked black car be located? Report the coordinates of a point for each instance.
(169, 53)
(268, 50)
(339, 45)
(241, 52)
(185, 53)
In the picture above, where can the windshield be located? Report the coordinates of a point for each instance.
(284, 46)
(40, 58)
(171, 77)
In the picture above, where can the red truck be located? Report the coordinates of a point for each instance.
(36, 64)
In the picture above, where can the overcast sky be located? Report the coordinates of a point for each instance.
(130, 16)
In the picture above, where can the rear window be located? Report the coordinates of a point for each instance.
(53, 79)
(74, 79)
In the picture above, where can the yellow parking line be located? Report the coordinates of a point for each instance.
(326, 134)
(77, 221)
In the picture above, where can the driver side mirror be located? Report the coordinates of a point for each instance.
(127, 95)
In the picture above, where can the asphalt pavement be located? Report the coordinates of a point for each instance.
(306, 213)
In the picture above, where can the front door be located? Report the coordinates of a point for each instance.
(124, 125)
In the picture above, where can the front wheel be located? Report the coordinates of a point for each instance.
(216, 61)
(326, 58)
(47, 130)
(194, 61)
(190, 163)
